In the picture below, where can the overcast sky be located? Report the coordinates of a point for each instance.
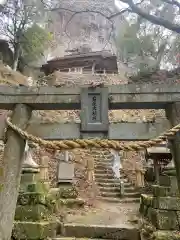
(2, 2)
(119, 4)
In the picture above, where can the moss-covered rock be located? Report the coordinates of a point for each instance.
(147, 199)
(161, 191)
(70, 203)
(34, 187)
(31, 213)
(166, 235)
(33, 230)
(167, 203)
(146, 230)
(68, 191)
(37, 187)
(170, 181)
(163, 220)
(31, 198)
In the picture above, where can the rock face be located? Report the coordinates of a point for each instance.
(87, 28)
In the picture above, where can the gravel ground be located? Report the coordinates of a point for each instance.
(106, 214)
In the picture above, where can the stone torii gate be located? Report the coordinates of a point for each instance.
(94, 104)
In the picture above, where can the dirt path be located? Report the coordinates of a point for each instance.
(106, 213)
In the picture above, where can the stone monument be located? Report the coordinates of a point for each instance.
(65, 167)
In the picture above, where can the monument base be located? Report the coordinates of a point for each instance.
(67, 190)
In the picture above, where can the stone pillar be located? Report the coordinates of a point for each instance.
(173, 115)
(44, 171)
(139, 175)
(90, 168)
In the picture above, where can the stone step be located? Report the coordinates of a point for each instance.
(74, 238)
(109, 176)
(132, 195)
(107, 170)
(109, 189)
(119, 200)
(103, 171)
(110, 194)
(103, 160)
(116, 189)
(109, 156)
(113, 184)
(103, 175)
(110, 180)
(129, 189)
(117, 194)
(121, 232)
(102, 156)
(103, 165)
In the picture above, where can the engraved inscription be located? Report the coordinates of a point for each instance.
(94, 108)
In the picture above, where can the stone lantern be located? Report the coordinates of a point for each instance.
(161, 157)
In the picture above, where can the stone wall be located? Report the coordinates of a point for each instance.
(161, 210)
(86, 188)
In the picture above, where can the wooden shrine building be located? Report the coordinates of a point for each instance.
(94, 62)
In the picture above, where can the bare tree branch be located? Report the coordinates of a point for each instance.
(172, 2)
(156, 20)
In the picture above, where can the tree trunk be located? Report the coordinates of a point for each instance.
(16, 56)
(11, 171)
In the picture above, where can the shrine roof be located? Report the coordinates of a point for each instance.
(103, 54)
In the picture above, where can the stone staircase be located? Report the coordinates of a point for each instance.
(74, 231)
(109, 186)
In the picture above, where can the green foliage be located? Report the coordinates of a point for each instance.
(127, 40)
(146, 46)
(135, 47)
(35, 40)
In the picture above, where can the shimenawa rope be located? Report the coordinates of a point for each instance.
(93, 143)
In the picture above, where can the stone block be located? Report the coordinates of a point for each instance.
(33, 230)
(171, 172)
(163, 220)
(166, 203)
(71, 203)
(161, 191)
(166, 235)
(122, 232)
(170, 181)
(31, 198)
(31, 213)
(67, 191)
(146, 199)
(39, 187)
(29, 177)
